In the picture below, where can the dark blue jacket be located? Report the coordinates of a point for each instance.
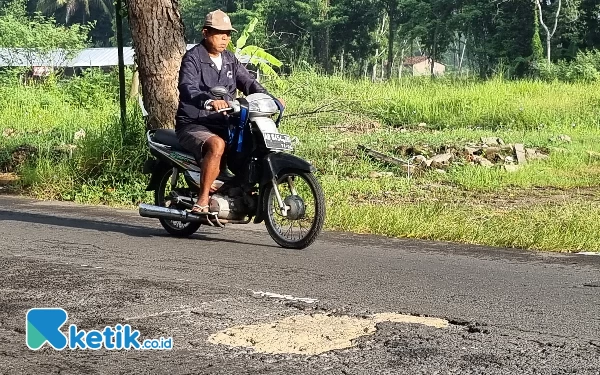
(197, 75)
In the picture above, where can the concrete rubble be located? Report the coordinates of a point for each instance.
(490, 152)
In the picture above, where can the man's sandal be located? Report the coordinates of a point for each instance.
(199, 210)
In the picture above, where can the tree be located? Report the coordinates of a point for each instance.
(394, 11)
(352, 37)
(158, 37)
(70, 7)
(498, 33)
(38, 37)
(257, 55)
(536, 43)
(477, 30)
(549, 34)
(590, 17)
(432, 21)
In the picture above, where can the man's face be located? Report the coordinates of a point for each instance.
(217, 40)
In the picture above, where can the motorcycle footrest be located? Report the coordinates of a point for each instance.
(209, 217)
(215, 214)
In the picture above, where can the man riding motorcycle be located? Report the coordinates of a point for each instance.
(200, 128)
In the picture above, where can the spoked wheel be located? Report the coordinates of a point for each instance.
(303, 195)
(163, 198)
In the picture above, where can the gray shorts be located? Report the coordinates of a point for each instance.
(192, 137)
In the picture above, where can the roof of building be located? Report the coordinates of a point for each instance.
(90, 57)
(413, 60)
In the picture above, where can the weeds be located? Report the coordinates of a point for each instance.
(79, 153)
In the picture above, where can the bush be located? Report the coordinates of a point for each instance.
(585, 68)
(547, 71)
(37, 36)
(93, 88)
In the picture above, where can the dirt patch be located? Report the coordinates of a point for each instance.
(311, 334)
(516, 198)
(8, 178)
(10, 161)
(354, 124)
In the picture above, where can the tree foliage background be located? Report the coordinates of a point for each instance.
(373, 37)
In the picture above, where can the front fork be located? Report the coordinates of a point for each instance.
(282, 206)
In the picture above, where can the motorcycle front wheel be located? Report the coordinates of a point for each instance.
(162, 198)
(303, 196)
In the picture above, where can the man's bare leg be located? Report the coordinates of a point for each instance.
(213, 149)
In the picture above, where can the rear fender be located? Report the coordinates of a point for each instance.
(158, 170)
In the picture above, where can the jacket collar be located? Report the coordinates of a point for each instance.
(205, 57)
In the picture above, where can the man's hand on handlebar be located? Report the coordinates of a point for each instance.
(219, 105)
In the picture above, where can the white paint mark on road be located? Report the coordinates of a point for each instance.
(283, 296)
(589, 253)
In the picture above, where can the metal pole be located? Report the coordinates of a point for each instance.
(122, 93)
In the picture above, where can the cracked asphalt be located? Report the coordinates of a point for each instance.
(511, 311)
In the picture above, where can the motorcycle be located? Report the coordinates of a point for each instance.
(272, 185)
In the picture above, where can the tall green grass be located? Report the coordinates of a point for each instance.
(563, 227)
(331, 116)
(452, 104)
(59, 107)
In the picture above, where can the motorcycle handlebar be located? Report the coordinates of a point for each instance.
(233, 108)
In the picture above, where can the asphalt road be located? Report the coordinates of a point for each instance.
(511, 311)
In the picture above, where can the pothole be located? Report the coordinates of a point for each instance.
(312, 334)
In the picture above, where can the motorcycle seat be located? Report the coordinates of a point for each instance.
(169, 138)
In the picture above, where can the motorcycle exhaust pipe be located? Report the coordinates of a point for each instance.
(158, 212)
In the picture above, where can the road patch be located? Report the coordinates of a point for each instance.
(312, 334)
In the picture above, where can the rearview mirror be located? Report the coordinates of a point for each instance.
(219, 91)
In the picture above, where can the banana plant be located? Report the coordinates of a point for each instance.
(258, 56)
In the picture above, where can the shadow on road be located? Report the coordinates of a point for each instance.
(115, 227)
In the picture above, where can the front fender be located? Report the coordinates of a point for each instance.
(276, 162)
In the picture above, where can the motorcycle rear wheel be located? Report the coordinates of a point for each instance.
(174, 228)
(307, 211)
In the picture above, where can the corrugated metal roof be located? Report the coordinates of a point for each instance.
(24, 57)
(102, 57)
(91, 57)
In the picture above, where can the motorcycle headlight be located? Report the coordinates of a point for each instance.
(262, 104)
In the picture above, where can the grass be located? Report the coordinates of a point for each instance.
(547, 205)
(568, 226)
(455, 104)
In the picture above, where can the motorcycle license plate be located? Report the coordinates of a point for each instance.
(278, 141)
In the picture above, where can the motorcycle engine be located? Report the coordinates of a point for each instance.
(233, 206)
